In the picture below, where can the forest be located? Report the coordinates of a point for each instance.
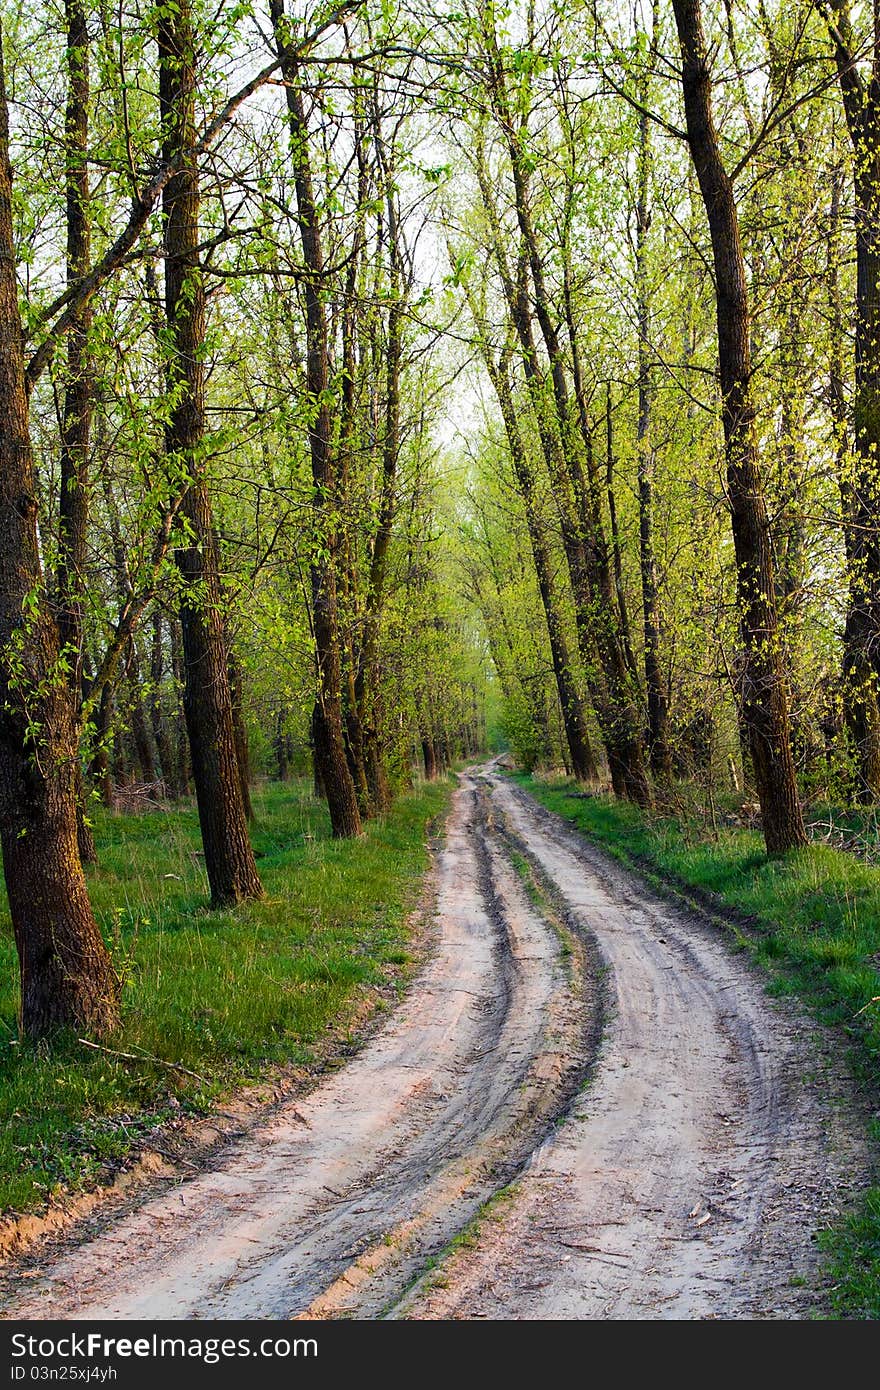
(386, 386)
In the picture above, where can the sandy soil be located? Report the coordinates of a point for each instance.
(686, 1180)
(336, 1203)
(718, 1135)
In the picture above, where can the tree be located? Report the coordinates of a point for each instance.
(762, 681)
(207, 699)
(67, 976)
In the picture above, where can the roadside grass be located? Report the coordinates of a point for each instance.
(225, 995)
(811, 918)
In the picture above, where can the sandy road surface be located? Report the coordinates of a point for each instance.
(341, 1197)
(686, 1180)
(690, 1178)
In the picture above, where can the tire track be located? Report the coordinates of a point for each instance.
(334, 1205)
(718, 1134)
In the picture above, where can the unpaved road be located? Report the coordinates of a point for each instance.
(685, 1180)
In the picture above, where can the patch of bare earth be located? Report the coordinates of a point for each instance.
(687, 1180)
(719, 1133)
(335, 1203)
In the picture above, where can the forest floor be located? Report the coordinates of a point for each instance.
(587, 1106)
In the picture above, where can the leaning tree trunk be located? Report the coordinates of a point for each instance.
(229, 858)
(67, 977)
(763, 693)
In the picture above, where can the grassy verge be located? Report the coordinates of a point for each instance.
(225, 995)
(811, 918)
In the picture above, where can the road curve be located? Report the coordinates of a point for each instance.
(718, 1135)
(686, 1180)
(337, 1201)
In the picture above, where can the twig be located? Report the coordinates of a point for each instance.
(875, 1000)
(593, 1251)
(143, 1057)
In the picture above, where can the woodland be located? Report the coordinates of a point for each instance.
(381, 383)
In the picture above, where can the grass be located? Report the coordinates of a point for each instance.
(226, 995)
(811, 918)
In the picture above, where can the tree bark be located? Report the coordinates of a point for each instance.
(242, 745)
(859, 472)
(615, 699)
(76, 421)
(229, 858)
(658, 714)
(158, 717)
(574, 722)
(67, 977)
(763, 695)
(329, 741)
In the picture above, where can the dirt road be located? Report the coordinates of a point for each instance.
(686, 1179)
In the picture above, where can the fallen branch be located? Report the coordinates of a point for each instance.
(143, 1057)
(875, 1000)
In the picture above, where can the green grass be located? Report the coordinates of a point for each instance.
(811, 918)
(225, 994)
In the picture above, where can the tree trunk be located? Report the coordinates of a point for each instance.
(764, 701)
(242, 746)
(141, 733)
(859, 474)
(329, 741)
(574, 721)
(279, 744)
(158, 717)
(229, 858)
(319, 786)
(367, 679)
(67, 977)
(78, 388)
(429, 758)
(182, 762)
(658, 721)
(615, 699)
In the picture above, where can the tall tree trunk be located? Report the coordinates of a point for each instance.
(616, 549)
(329, 741)
(860, 471)
(860, 704)
(242, 746)
(158, 717)
(763, 693)
(429, 757)
(78, 388)
(658, 721)
(367, 680)
(615, 698)
(229, 858)
(67, 977)
(574, 721)
(182, 760)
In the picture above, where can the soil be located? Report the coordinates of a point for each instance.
(669, 1139)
